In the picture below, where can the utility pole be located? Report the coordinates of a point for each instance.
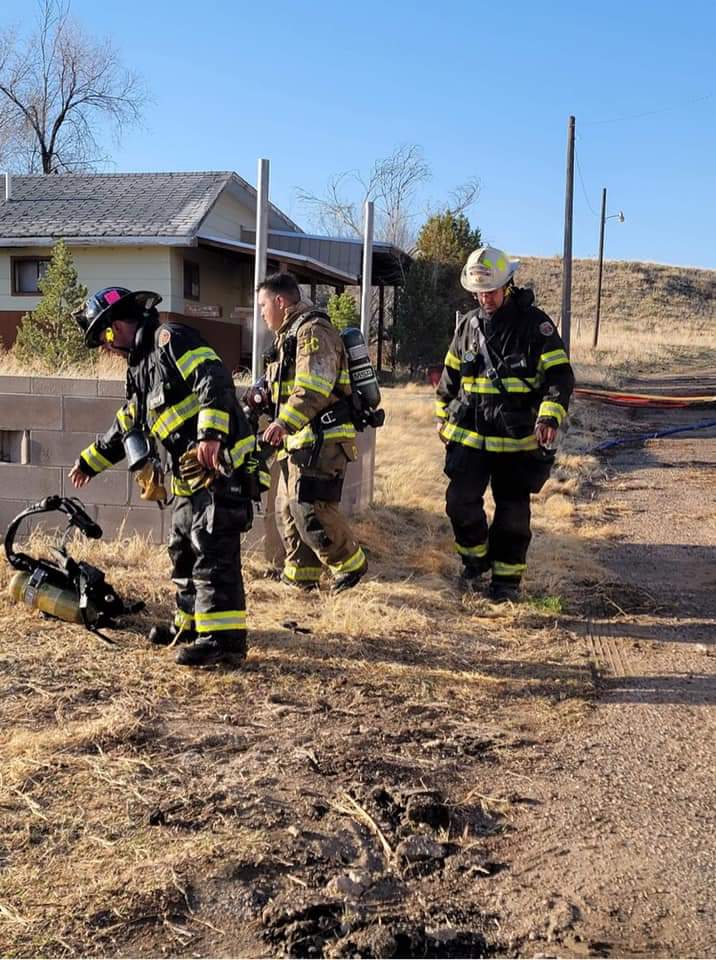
(367, 277)
(260, 247)
(567, 252)
(602, 225)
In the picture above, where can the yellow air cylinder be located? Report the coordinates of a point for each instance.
(55, 601)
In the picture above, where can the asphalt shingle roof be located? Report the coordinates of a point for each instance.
(109, 205)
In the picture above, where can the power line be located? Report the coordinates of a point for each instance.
(649, 113)
(584, 189)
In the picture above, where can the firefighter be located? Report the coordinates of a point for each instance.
(308, 385)
(180, 394)
(503, 394)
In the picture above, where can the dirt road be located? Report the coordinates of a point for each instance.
(617, 856)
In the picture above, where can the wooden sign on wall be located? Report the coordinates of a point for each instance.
(206, 311)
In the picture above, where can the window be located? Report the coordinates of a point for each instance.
(26, 271)
(191, 280)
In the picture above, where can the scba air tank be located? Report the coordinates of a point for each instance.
(55, 601)
(362, 374)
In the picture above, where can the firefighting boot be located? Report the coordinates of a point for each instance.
(164, 635)
(347, 580)
(303, 586)
(504, 591)
(470, 579)
(211, 649)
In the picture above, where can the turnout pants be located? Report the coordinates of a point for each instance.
(313, 528)
(513, 477)
(205, 550)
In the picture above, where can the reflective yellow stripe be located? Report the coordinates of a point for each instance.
(175, 416)
(552, 359)
(510, 444)
(240, 451)
(344, 431)
(501, 569)
(180, 488)
(296, 574)
(452, 361)
(286, 390)
(211, 419)
(479, 551)
(311, 381)
(441, 409)
(468, 438)
(343, 379)
(224, 620)
(265, 479)
(189, 361)
(485, 385)
(126, 415)
(184, 621)
(294, 418)
(354, 562)
(95, 459)
(548, 408)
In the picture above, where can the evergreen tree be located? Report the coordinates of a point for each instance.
(343, 311)
(50, 334)
(432, 292)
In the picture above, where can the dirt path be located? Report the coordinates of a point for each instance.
(617, 856)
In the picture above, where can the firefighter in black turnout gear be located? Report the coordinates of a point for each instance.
(180, 393)
(502, 396)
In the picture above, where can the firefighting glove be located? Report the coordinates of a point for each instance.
(150, 481)
(193, 473)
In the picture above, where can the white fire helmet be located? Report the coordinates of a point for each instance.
(487, 269)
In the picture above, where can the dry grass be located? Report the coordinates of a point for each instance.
(127, 784)
(104, 367)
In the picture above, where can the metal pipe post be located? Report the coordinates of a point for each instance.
(567, 252)
(367, 275)
(262, 195)
(602, 224)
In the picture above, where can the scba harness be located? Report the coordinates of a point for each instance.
(362, 407)
(76, 592)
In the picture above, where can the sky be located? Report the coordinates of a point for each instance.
(485, 89)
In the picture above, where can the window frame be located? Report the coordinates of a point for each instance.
(192, 265)
(14, 292)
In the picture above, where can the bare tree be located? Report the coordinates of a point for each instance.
(57, 89)
(464, 195)
(391, 185)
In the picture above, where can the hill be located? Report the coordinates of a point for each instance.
(635, 295)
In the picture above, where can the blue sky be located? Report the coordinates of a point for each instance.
(484, 88)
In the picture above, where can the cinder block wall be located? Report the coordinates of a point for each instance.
(46, 421)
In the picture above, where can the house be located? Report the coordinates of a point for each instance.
(189, 236)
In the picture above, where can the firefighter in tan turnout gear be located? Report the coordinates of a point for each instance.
(502, 396)
(308, 384)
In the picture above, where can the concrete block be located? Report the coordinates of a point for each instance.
(118, 522)
(108, 488)
(18, 481)
(90, 415)
(24, 411)
(57, 448)
(15, 384)
(9, 509)
(63, 387)
(111, 388)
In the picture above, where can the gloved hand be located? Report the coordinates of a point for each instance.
(194, 473)
(150, 481)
